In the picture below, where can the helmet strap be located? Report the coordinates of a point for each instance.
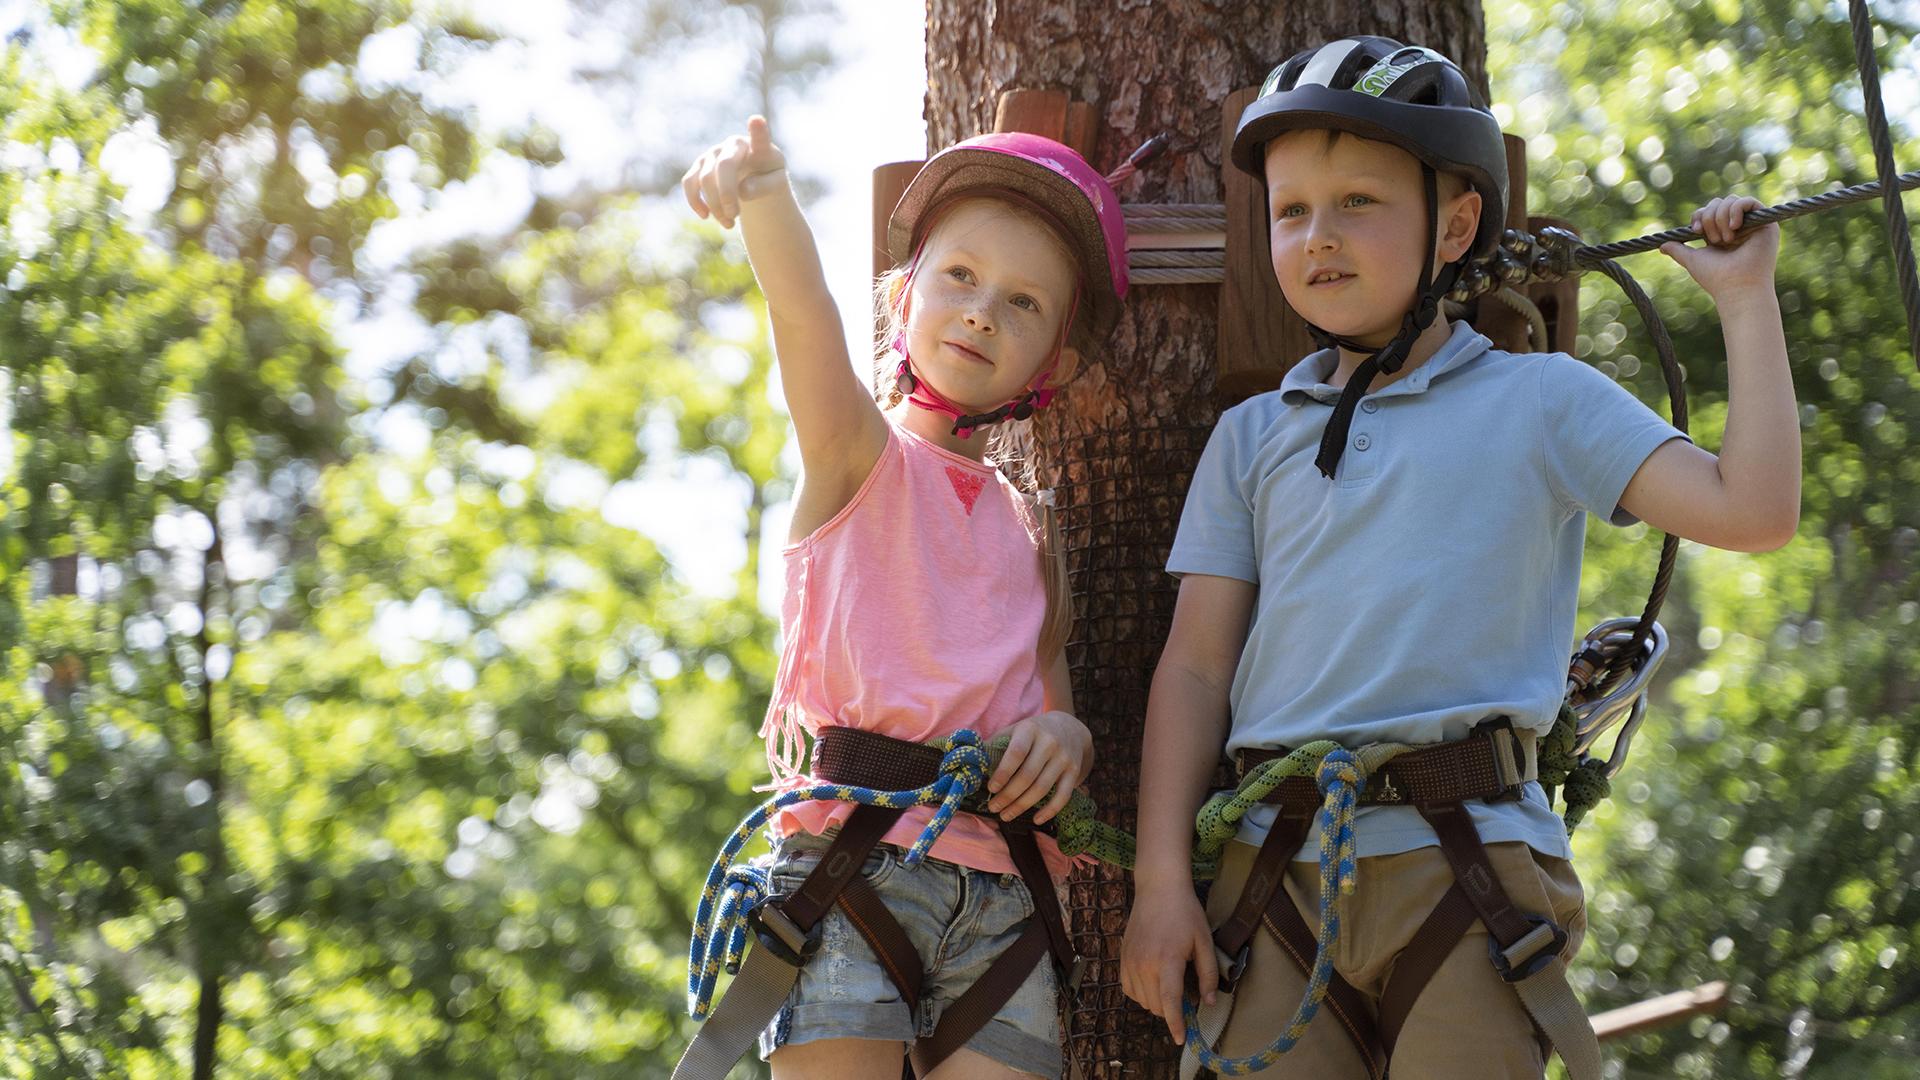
(1390, 357)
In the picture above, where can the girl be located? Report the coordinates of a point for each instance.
(924, 594)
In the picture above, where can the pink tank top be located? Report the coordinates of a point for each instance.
(914, 612)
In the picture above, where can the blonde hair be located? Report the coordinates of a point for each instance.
(1004, 449)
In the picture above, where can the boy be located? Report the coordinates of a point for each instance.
(1403, 567)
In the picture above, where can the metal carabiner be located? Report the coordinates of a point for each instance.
(1626, 701)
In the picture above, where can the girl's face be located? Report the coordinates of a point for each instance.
(1345, 227)
(987, 304)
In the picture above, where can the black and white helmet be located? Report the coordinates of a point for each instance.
(1377, 88)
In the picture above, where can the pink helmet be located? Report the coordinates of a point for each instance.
(1052, 177)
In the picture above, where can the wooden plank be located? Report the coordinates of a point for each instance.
(1037, 112)
(1259, 336)
(889, 183)
(1661, 1011)
(1082, 125)
(1172, 241)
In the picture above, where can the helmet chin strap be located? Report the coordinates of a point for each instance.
(922, 394)
(1390, 357)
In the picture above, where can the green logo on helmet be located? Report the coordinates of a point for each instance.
(1385, 73)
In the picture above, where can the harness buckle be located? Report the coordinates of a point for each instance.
(1075, 974)
(1509, 762)
(1534, 951)
(781, 935)
(1230, 977)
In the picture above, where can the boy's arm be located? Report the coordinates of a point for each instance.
(1187, 724)
(1748, 497)
(840, 429)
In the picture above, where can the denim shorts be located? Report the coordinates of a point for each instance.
(958, 919)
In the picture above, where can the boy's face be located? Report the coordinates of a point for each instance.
(988, 301)
(1346, 224)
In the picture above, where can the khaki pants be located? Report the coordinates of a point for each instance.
(1467, 1024)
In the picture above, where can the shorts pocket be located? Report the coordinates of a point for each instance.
(790, 868)
(1016, 887)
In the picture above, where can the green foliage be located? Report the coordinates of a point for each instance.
(1762, 833)
(325, 751)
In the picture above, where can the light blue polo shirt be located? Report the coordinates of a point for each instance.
(1433, 582)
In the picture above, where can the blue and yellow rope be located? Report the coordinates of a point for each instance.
(719, 924)
(1341, 776)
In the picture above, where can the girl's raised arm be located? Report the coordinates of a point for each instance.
(840, 428)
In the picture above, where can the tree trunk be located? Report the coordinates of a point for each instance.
(1119, 445)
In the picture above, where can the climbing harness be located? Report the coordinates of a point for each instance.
(1494, 763)
(884, 777)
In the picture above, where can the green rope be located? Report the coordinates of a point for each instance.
(1079, 831)
(1584, 784)
(1219, 820)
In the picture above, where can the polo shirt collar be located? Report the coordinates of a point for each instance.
(1308, 378)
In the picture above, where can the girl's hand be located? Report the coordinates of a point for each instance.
(1049, 752)
(722, 177)
(1729, 264)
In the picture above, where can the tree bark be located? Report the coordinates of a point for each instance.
(1119, 446)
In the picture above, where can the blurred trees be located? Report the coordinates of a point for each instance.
(1764, 830)
(348, 725)
(336, 683)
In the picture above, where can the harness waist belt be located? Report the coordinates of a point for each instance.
(1492, 764)
(868, 759)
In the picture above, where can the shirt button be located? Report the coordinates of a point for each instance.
(1361, 442)
(1369, 406)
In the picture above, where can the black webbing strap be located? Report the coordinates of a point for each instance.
(849, 756)
(1288, 927)
(1025, 850)
(1525, 948)
(1445, 925)
(784, 927)
(886, 937)
(1046, 932)
(1492, 763)
(1474, 873)
(838, 865)
(1264, 880)
(972, 1010)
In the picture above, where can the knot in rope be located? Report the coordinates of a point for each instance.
(1341, 780)
(1587, 786)
(963, 769)
(1339, 767)
(1219, 820)
(1557, 756)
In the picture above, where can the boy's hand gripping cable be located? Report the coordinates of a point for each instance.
(1556, 253)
